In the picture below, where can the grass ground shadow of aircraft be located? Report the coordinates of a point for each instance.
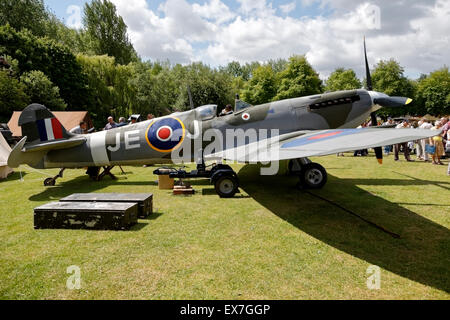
(421, 254)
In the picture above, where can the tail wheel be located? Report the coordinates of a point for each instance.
(49, 182)
(313, 176)
(226, 186)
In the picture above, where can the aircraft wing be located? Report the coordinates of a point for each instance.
(311, 143)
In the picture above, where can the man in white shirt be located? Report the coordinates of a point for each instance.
(424, 124)
(80, 129)
(397, 147)
(228, 110)
(111, 124)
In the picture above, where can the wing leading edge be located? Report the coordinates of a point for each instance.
(320, 143)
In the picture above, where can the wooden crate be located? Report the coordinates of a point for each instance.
(179, 190)
(165, 182)
(86, 215)
(144, 200)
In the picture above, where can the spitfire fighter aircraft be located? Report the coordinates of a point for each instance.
(298, 128)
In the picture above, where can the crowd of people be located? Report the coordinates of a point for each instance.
(429, 150)
(111, 124)
(82, 128)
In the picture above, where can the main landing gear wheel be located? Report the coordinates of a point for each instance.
(313, 176)
(226, 186)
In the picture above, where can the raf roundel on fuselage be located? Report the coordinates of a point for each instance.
(166, 134)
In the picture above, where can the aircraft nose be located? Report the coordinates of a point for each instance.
(383, 100)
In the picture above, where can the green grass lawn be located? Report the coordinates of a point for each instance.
(269, 242)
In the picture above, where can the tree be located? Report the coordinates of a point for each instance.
(108, 31)
(207, 85)
(342, 79)
(108, 86)
(77, 40)
(278, 65)
(41, 90)
(156, 90)
(388, 77)
(262, 87)
(24, 14)
(298, 79)
(56, 61)
(233, 68)
(433, 92)
(12, 95)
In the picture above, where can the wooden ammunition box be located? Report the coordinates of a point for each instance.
(86, 215)
(144, 200)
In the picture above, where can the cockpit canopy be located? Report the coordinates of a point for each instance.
(206, 112)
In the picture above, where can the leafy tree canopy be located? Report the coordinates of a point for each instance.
(433, 92)
(262, 87)
(12, 95)
(298, 79)
(342, 79)
(108, 31)
(25, 14)
(56, 61)
(41, 90)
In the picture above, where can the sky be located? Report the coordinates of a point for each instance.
(330, 33)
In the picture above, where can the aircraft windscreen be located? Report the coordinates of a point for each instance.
(241, 105)
(206, 112)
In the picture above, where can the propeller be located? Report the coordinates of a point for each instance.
(373, 115)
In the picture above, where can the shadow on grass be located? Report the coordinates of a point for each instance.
(410, 181)
(153, 216)
(83, 184)
(212, 192)
(138, 226)
(16, 175)
(422, 253)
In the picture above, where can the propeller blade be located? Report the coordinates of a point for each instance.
(373, 118)
(368, 76)
(392, 102)
(379, 154)
(378, 150)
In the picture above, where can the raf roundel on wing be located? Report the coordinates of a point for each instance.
(166, 134)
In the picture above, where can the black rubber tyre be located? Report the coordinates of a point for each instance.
(49, 182)
(313, 176)
(226, 186)
(93, 172)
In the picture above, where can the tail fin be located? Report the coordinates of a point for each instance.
(42, 132)
(40, 125)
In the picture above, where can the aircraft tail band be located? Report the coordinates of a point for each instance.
(49, 129)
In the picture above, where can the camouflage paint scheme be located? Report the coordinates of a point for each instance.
(131, 144)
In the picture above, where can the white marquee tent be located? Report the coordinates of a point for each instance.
(5, 150)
